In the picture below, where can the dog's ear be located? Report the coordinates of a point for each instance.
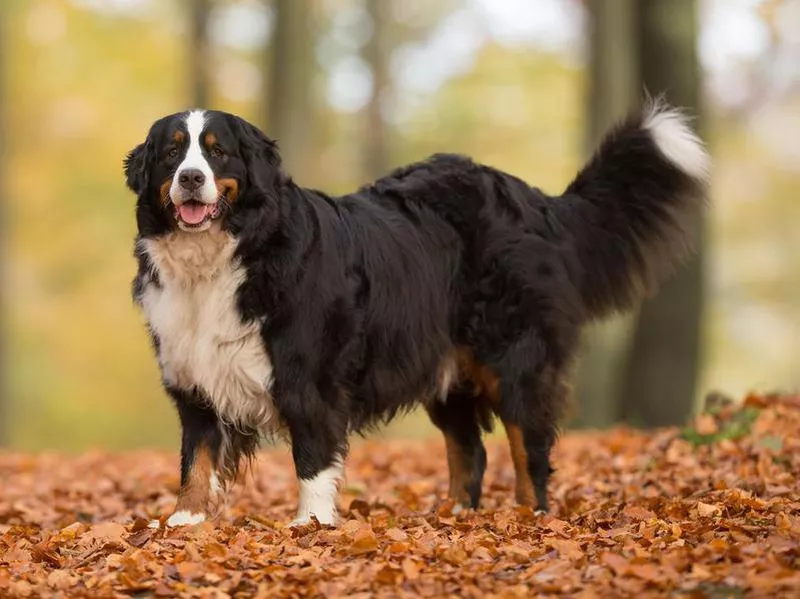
(260, 154)
(137, 166)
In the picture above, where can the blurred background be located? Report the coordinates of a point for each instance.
(351, 88)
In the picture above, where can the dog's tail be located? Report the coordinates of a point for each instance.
(632, 208)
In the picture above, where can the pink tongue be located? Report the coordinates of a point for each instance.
(193, 213)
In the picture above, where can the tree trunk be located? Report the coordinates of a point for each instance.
(290, 78)
(612, 92)
(199, 55)
(4, 394)
(376, 53)
(664, 360)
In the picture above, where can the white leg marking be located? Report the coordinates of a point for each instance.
(318, 496)
(676, 140)
(447, 375)
(215, 484)
(185, 518)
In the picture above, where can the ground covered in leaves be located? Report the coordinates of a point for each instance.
(709, 511)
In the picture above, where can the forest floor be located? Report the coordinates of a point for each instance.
(712, 510)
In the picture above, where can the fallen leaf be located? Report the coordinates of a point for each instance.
(410, 569)
(569, 549)
(706, 424)
(364, 541)
(618, 564)
(706, 510)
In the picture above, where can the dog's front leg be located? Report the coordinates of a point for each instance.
(319, 448)
(202, 484)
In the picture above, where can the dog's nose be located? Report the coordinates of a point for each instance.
(191, 179)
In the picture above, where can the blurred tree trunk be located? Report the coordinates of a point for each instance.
(290, 79)
(4, 397)
(199, 55)
(377, 52)
(613, 91)
(664, 360)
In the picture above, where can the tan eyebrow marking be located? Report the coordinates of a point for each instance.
(178, 136)
(211, 140)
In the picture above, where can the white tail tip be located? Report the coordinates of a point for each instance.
(677, 141)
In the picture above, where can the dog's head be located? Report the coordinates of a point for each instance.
(196, 168)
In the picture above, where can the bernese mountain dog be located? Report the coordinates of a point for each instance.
(276, 309)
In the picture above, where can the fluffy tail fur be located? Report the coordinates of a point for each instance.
(632, 208)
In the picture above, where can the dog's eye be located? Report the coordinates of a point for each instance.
(217, 152)
(173, 153)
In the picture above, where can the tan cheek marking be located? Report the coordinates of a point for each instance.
(228, 187)
(524, 487)
(165, 191)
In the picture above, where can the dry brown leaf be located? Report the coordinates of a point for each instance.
(706, 424)
(618, 564)
(395, 534)
(410, 569)
(569, 549)
(364, 541)
(706, 509)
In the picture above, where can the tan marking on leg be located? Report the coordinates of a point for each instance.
(203, 491)
(524, 485)
(458, 473)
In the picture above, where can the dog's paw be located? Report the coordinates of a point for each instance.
(459, 508)
(299, 522)
(307, 519)
(184, 518)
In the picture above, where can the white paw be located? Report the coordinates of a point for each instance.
(326, 519)
(185, 518)
(318, 496)
(299, 521)
(154, 524)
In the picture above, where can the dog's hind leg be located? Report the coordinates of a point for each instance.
(460, 417)
(530, 405)
(530, 452)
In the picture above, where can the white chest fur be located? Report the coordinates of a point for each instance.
(202, 340)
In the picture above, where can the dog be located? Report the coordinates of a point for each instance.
(276, 309)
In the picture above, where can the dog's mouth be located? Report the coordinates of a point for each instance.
(194, 214)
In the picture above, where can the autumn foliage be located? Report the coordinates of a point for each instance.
(709, 511)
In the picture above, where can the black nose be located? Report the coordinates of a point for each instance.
(191, 179)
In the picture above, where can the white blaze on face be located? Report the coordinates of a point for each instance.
(194, 159)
